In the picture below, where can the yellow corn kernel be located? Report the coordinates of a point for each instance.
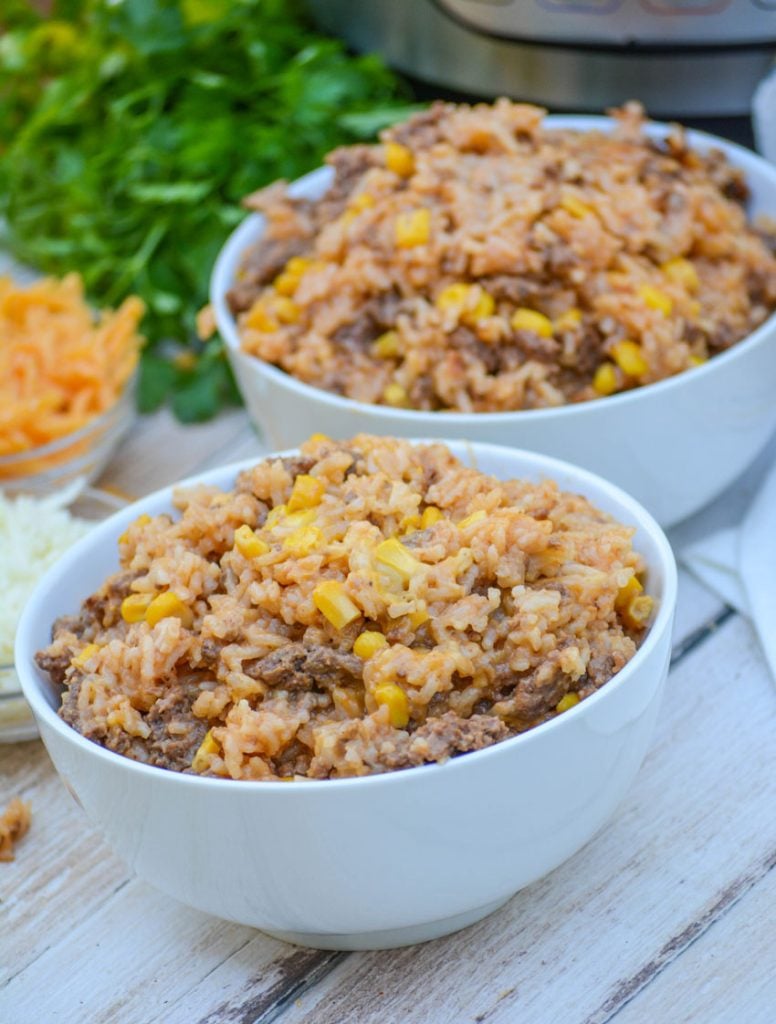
(637, 614)
(285, 310)
(369, 643)
(260, 319)
(84, 655)
(142, 520)
(304, 540)
(275, 516)
(682, 272)
(399, 159)
(626, 594)
(567, 702)
(453, 295)
(248, 544)
(168, 606)
(410, 524)
(393, 555)
(361, 202)
(387, 345)
(570, 319)
(306, 492)
(133, 608)
(418, 617)
(332, 602)
(395, 699)
(319, 438)
(295, 520)
(483, 307)
(431, 515)
(575, 207)
(205, 751)
(605, 379)
(698, 360)
(396, 395)
(413, 227)
(470, 520)
(298, 265)
(286, 283)
(630, 358)
(530, 320)
(656, 299)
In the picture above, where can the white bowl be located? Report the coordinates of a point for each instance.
(382, 860)
(674, 445)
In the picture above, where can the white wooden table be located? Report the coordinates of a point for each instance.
(669, 915)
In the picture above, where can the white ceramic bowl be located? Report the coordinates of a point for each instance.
(674, 445)
(377, 861)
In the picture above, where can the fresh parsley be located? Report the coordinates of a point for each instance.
(130, 130)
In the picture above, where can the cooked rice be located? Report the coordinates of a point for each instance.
(507, 609)
(610, 237)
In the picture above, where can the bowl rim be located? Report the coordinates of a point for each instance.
(530, 462)
(246, 233)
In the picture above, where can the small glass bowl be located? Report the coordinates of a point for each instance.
(79, 456)
(16, 721)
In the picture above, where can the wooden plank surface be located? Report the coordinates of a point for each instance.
(696, 834)
(676, 887)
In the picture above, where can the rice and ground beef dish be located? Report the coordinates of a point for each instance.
(360, 607)
(478, 261)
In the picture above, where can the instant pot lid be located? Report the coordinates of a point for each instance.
(635, 23)
(472, 46)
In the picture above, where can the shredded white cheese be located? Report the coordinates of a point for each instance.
(34, 532)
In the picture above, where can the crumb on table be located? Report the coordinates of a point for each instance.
(14, 824)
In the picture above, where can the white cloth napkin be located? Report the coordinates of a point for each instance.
(764, 117)
(736, 557)
(738, 561)
(732, 546)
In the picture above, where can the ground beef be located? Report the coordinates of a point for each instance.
(422, 130)
(75, 624)
(436, 741)
(508, 289)
(533, 346)
(104, 608)
(298, 666)
(296, 465)
(175, 732)
(468, 344)
(357, 335)
(262, 264)
(374, 317)
(448, 735)
(56, 662)
(349, 163)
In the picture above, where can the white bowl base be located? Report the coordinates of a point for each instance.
(392, 938)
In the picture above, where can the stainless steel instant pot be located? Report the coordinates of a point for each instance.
(679, 57)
